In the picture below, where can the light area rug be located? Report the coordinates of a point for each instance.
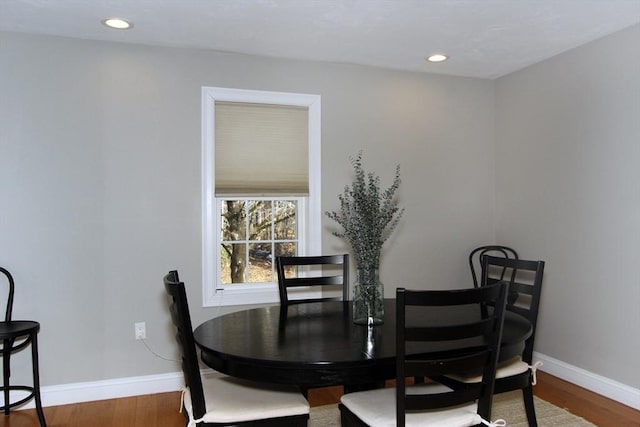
(508, 406)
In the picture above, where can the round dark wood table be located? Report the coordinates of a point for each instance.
(317, 344)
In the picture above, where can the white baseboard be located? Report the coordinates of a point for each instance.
(108, 389)
(598, 384)
(151, 384)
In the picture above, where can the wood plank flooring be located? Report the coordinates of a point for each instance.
(161, 410)
(579, 401)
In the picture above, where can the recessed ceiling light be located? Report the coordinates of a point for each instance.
(437, 58)
(117, 23)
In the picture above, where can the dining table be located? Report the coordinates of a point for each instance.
(318, 344)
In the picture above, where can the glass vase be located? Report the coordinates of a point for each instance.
(368, 298)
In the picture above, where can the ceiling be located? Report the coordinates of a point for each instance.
(484, 38)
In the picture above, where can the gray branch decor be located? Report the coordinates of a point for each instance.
(367, 215)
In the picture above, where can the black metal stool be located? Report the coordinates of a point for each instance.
(16, 335)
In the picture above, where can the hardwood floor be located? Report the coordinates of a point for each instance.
(161, 410)
(579, 401)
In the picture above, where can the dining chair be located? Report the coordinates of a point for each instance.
(326, 271)
(16, 335)
(434, 404)
(223, 400)
(519, 373)
(476, 256)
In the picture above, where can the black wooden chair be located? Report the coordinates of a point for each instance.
(434, 404)
(304, 271)
(223, 400)
(475, 261)
(519, 373)
(16, 335)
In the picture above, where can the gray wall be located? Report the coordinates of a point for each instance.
(567, 174)
(100, 183)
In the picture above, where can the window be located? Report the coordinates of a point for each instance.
(253, 233)
(260, 189)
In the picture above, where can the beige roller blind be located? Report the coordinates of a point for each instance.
(261, 150)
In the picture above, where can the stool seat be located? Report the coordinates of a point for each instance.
(16, 329)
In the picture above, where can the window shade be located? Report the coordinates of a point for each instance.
(261, 150)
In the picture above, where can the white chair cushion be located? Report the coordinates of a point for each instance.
(513, 366)
(377, 408)
(229, 399)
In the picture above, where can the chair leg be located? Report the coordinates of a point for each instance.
(36, 379)
(527, 395)
(6, 373)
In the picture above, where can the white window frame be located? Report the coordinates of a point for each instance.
(310, 210)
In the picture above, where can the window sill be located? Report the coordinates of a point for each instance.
(243, 295)
(254, 294)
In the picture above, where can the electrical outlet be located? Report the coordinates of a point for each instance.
(141, 330)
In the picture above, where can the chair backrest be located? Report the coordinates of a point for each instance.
(298, 271)
(525, 289)
(10, 291)
(181, 319)
(481, 330)
(477, 255)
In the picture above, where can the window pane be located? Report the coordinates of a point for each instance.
(232, 263)
(253, 232)
(286, 249)
(260, 265)
(233, 220)
(285, 222)
(260, 220)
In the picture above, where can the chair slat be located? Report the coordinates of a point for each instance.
(475, 361)
(438, 333)
(314, 281)
(440, 400)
